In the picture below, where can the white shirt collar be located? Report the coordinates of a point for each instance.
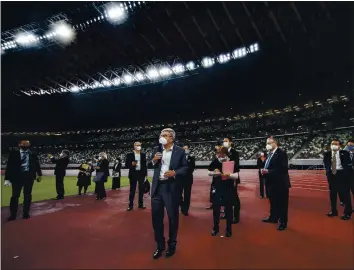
(274, 150)
(22, 151)
(164, 149)
(229, 149)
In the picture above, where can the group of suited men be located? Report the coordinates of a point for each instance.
(173, 179)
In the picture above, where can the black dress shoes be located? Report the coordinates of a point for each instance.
(129, 209)
(214, 232)
(341, 203)
(26, 216)
(269, 220)
(170, 252)
(228, 234)
(345, 217)
(332, 214)
(235, 220)
(281, 227)
(157, 254)
(58, 198)
(185, 213)
(142, 207)
(11, 218)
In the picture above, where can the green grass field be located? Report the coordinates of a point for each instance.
(46, 188)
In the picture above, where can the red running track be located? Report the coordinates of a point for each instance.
(80, 233)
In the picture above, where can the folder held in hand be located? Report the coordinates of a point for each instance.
(227, 168)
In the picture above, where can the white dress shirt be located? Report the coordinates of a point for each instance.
(270, 157)
(137, 159)
(165, 162)
(338, 161)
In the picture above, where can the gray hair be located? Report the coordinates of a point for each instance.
(171, 131)
(103, 154)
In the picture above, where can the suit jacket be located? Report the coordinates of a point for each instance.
(278, 174)
(117, 168)
(13, 168)
(60, 165)
(178, 164)
(191, 168)
(260, 165)
(130, 158)
(344, 158)
(104, 167)
(235, 156)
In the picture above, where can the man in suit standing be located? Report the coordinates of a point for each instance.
(338, 169)
(21, 171)
(350, 149)
(170, 167)
(187, 183)
(234, 156)
(277, 176)
(136, 163)
(60, 171)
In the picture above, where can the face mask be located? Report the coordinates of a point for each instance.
(269, 147)
(262, 154)
(222, 159)
(24, 147)
(61, 155)
(187, 151)
(99, 158)
(334, 147)
(138, 148)
(163, 140)
(349, 148)
(226, 144)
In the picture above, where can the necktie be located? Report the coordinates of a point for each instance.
(268, 160)
(334, 164)
(24, 161)
(351, 155)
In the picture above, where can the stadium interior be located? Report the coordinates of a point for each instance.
(98, 76)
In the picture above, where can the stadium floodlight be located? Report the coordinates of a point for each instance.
(128, 79)
(207, 62)
(26, 39)
(153, 73)
(165, 71)
(254, 48)
(139, 76)
(116, 81)
(62, 31)
(223, 58)
(190, 65)
(106, 83)
(115, 14)
(178, 69)
(74, 88)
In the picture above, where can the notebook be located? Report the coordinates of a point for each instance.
(227, 168)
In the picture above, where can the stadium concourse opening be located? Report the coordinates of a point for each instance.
(216, 102)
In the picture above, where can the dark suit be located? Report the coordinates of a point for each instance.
(136, 177)
(339, 183)
(234, 156)
(262, 182)
(60, 171)
(117, 172)
(20, 179)
(278, 181)
(187, 183)
(167, 194)
(103, 165)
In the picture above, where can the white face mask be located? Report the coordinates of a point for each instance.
(99, 158)
(334, 147)
(269, 147)
(163, 140)
(226, 144)
(138, 148)
(61, 155)
(222, 159)
(187, 151)
(262, 154)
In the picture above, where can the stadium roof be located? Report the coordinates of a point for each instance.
(304, 45)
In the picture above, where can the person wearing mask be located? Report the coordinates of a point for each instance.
(212, 185)
(338, 168)
(350, 149)
(260, 165)
(117, 173)
(21, 171)
(84, 176)
(187, 183)
(223, 192)
(136, 163)
(60, 171)
(234, 156)
(102, 173)
(277, 176)
(170, 167)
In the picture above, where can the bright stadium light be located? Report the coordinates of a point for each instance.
(139, 76)
(178, 69)
(116, 81)
(26, 39)
(254, 48)
(128, 79)
(207, 62)
(153, 73)
(115, 14)
(74, 89)
(223, 58)
(63, 32)
(190, 65)
(106, 83)
(165, 72)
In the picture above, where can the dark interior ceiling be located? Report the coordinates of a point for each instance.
(305, 45)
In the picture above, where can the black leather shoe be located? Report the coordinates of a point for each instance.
(157, 254)
(235, 220)
(170, 252)
(58, 198)
(214, 232)
(142, 207)
(281, 227)
(185, 214)
(341, 203)
(269, 220)
(228, 234)
(345, 217)
(11, 218)
(332, 214)
(129, 209)
(26, 216)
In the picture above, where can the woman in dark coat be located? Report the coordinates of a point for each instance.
(223, 192)
(102, 170)
(84, 176)
(262, 181)
(116, 174)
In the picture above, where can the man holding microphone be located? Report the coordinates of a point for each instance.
(170, 166)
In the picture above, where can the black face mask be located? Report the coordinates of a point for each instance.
(24, 147)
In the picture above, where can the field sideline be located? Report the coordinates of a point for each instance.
(46, 188)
